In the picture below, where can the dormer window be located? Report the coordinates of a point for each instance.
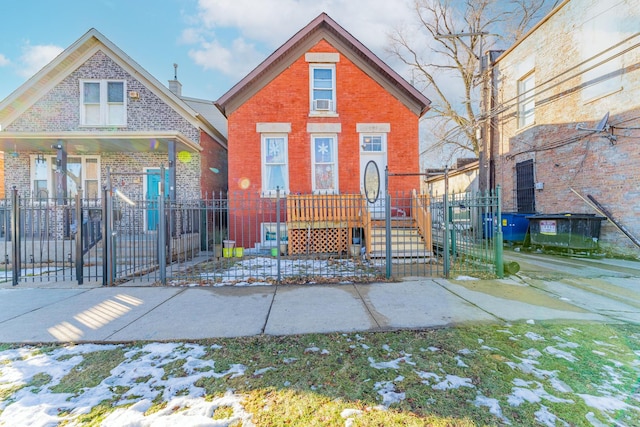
(102, 103)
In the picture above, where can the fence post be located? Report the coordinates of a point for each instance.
(79, 238)
(15, 236)
(278, 231)
(498, 237)
(109, 263)
(446, 223)
(162, 231)
(387, 214)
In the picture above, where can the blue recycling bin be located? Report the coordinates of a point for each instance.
(515, 226)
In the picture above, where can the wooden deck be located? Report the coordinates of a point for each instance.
(324, 223)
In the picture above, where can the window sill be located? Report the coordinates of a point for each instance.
(102, 126)
(271, 194)
(323, 114)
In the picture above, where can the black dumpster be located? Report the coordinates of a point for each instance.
(573, 232)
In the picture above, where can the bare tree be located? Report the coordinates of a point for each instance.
(444, 51)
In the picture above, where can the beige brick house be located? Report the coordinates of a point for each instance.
(564, 117)
(94, 109)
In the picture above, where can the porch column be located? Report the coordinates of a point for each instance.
(61, 171)
(172, 170)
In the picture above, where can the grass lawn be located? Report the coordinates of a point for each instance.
(550, 374)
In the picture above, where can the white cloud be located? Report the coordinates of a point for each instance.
(4, 61)
(234, 36)
(35, 57)
(235, 60)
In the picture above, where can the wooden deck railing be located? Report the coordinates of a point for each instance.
(421, 212)
(323, 223)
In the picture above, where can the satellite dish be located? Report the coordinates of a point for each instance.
(601, 127)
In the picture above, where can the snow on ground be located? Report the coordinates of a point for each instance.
(28, 378)
(264, 270)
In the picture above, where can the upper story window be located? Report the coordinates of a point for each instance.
(325, 164)
(323, 88)
(526, 100)
(102, 103)
(275, 167)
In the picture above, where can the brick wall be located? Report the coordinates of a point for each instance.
(59, 109)
(564, 157)
(359, 99)
(213, 178)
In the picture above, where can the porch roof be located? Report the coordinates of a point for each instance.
(97, 142)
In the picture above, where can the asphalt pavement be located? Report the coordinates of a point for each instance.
(547, 288)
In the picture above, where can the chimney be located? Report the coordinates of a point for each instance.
(174, 85)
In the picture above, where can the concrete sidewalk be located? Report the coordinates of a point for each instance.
(127, 313)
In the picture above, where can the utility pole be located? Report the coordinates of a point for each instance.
(481, 130)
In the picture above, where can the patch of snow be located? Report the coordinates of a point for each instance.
(460, 362)
(259, 372)
(531, 322)
(453, 382)
(493, 405)
(532, 353)
(534, 337)
(387, 390)
(546, 418)
(560, 354)
(466, 278)
(605, 403)
(392, 364)
(523, 392)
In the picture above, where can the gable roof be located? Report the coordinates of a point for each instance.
(323, 27)
(77, 54)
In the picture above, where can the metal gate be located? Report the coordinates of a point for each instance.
(105, 240)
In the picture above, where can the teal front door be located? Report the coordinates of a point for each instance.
(153, 190)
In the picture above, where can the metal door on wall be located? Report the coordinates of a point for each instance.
(152, 191)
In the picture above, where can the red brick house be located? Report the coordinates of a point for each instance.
(311, 116)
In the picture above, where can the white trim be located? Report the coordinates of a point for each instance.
(271, 243)
(51, 159)
(320, 57)
(324, 127)
(105, 120)
(263, 155)
(373, 127)
(273, 127)
(316, 66)
(526, 98)
(383, 142)
(334, 142)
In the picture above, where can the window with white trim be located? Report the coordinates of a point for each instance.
(324, 157)
(526, 100)
(103, 103)
(275, 167)
(323, 88)
(82, 172)
(372, 143)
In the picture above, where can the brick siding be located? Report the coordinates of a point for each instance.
(564, 157)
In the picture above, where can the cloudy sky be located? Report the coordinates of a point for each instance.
(214, 42)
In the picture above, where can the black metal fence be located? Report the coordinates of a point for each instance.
(241, 239)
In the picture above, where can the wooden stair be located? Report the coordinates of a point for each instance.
(407, 245)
